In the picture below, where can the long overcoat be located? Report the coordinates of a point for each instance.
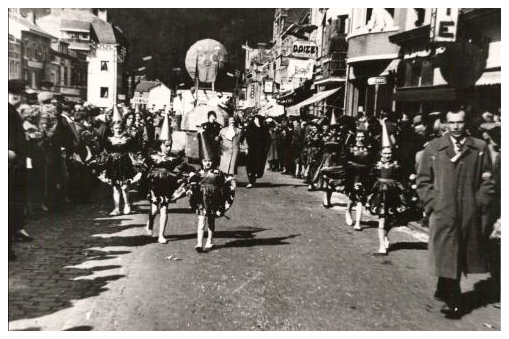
(258, 142)
(229, 150)
(456, 197)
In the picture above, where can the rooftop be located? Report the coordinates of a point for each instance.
(78, 20)
(145, 86)
(30, 26)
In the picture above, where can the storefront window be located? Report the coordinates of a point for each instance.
(427, 73)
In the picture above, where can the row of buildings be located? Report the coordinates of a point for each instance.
(404, 60)
(74, 53)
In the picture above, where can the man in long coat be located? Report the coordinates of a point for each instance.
(258, 141)
(455, 187)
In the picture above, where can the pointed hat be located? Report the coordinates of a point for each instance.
(165, 134)
(116, 114)
(333, 120)
(386, 141)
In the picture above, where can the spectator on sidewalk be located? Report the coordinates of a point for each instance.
(17, 164)
(455, 186)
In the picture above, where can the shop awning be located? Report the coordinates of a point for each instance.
(425, 94)
(272, 109)
(393, 67)
(489, 78)
(295, 110)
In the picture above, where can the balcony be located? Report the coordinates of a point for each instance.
(333, 68)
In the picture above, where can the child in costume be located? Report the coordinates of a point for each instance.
(387, 198)
(118, 167)
(165, 180)
(211, 196)
(331, 169)
(359, 160)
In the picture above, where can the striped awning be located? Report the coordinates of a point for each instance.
(295, 110)
(393, 67)
(489, 78)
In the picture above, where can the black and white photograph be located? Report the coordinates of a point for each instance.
(254, 169)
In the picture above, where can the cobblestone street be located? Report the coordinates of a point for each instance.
(281, 262)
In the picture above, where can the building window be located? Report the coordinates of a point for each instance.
(104, 92)
(104, 65)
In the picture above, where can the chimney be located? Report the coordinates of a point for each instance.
(31, 17)
(102, 14)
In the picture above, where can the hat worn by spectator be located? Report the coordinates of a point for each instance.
(79, 116)
(17, 86)
(417, 120)
(45, 97)
(495, 134)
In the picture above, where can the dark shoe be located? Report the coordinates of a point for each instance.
(439, 295)
(326, 206)
(198, 249)
(452, 312)
(12, 256)
(24, 236)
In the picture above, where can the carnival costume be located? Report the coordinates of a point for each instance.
(211, 194)
(357, 173)
(331, 170)
(314, 145)
(119, 166)
(166, 174)
(388, 194)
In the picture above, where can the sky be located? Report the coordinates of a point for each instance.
(167, 34)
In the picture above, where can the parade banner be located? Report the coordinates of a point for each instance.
(301, 68)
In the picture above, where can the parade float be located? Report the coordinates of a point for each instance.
(204, 61)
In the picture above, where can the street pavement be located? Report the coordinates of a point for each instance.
(281, 262)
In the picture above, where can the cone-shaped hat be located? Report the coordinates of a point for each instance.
(165, 134)
(386, 141)
(116, 114)
(333, 120)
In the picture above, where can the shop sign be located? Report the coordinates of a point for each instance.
(301, 68)
(444, 24)
(304, 49)
(377, 81)
(140, 100)
(286, 87)
(268, 86)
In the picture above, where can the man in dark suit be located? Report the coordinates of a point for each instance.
(17, 163)
(455, 186)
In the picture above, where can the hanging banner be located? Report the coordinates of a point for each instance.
(300, 68)
(444, 24)
(304, 49)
